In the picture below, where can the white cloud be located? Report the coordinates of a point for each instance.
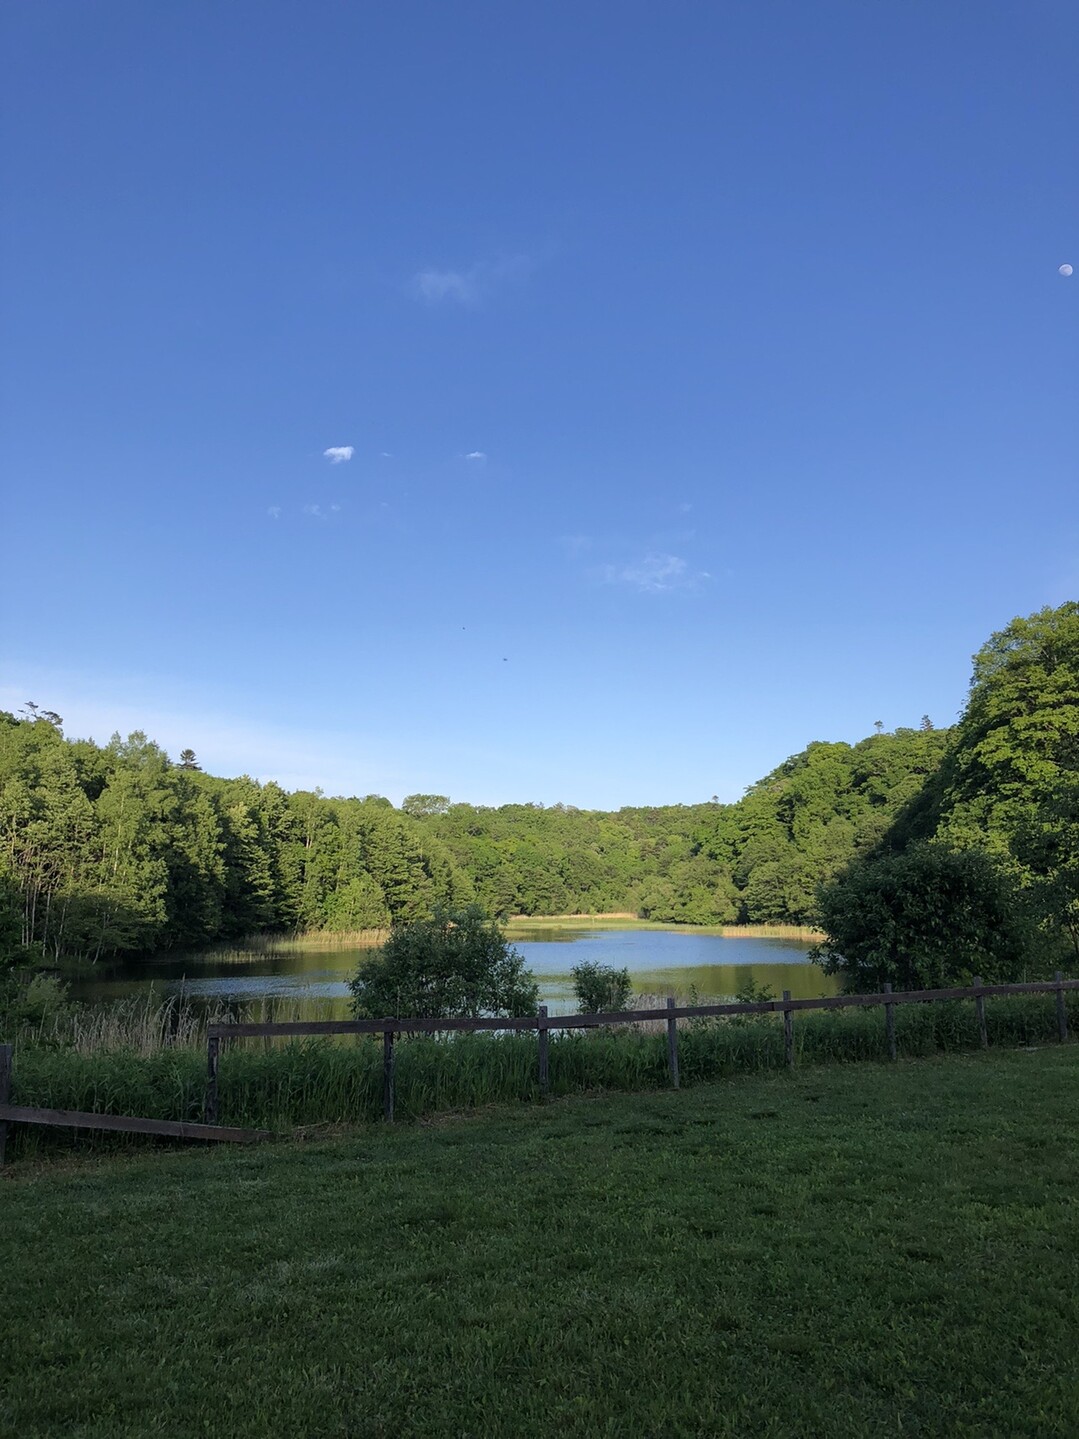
(338, 454)
(476, 455)
(438, 285)
(384, 455)
(315, 510)
(466, 287)
(274, 512)
(654, 574)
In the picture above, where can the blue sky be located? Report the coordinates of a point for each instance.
(707, 371)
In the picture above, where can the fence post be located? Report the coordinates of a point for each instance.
(213, 1056)
(788, 1031)
(387, 1074)
(979, 1006)
(5, 1092)
(1062, 1013)
(889, 1021)
(544, 1051)
(672, 1045)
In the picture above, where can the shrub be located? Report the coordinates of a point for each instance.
(600, 988)
(750, 992)
(457, 963)
(926, 918)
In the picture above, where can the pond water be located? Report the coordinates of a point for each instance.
(309, 980)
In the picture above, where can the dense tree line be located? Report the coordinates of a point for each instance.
(115, 848)
(922, 851)
(979, 871)
(804, 822)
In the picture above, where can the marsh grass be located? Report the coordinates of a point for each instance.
(156, 1068)
(799, 932)
(522, 924)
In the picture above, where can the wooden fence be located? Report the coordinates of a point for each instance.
(124, 1123)
(219, 1035)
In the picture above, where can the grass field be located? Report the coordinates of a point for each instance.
(846, 1251)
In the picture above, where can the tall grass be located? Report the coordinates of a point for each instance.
(146, 1024)
(802, 932)
(525, 923)
(139, 1063)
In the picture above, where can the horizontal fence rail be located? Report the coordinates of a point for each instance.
(119, 1123)
(130, 1124)
(543, 1023)
(620, 1016)
(219, 1035)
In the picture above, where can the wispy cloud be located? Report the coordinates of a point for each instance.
(315, 510)
(654, 574)
(447, 285)
(274, 512)
(476, 455)
(467, 287)
(338, 454)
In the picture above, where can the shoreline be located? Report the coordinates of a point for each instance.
(623, 920)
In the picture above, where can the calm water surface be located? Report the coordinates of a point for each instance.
(305, 980)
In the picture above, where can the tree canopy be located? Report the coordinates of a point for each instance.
(998, 818)
(116, 849)
(456, 963)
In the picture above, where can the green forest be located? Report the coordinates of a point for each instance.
(116, 848)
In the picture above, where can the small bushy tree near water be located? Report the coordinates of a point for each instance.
(600, 988)
(455, 964)
(926, 918)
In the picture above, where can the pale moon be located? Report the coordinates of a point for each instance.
(1065, 270)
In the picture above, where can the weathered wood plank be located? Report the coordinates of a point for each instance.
(889, 1022)
(407, 1025)
(788, 1030)
(388, 1091)
(1062, 1012)
(213, 1059)
(130, 1124)
(544, 1052)
(979, 1009)
(5, 1092)
(672, 1042)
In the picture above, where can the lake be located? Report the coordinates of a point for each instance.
(308, 979)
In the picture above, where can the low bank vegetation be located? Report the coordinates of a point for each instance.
(154, 1064)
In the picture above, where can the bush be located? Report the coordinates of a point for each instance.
(31, 1000)
(455, 964)
(924, 919)
(750, 992)
(600, 988)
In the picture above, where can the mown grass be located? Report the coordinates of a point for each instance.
(307, 1083)
(851, 1251)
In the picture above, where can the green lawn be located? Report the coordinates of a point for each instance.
(856, 1250)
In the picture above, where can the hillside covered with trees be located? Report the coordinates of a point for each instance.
(115, 848)
(979, 870)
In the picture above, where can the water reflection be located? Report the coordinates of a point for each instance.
(311, 981)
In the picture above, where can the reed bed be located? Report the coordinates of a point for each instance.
(800, 932)
(147, 1024)
(159, 1071)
